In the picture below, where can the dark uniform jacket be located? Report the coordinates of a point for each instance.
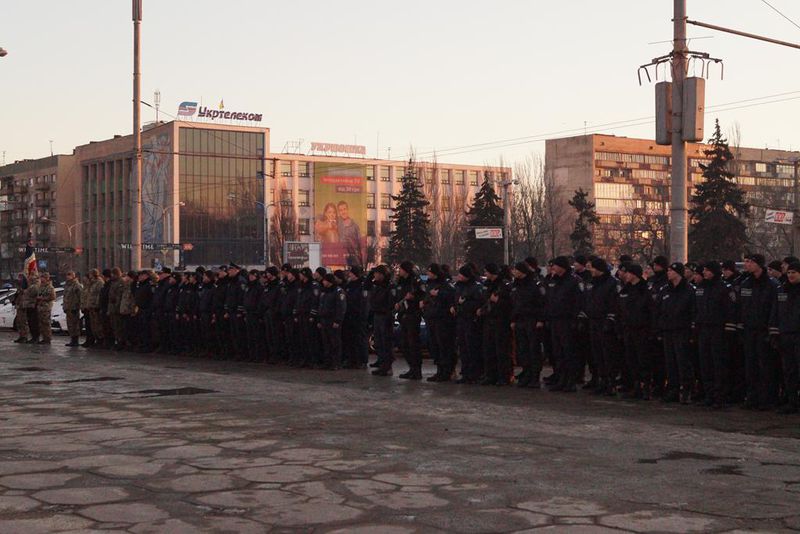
(785, 316)
(332, 305)
(528, 300)
(381, 300)
(269, 306)
(306, 305)
(563, 297)
(600, 298)
(469, 298)
(500, 310)
(144, 296)
(288, 298)
(676, 307)
(714, 304)
(187, 300)
(160, 294)
(635, 306)
(357, 302)
(234, 296)
(409, 308)
(756, 297)
(205, 298)
(251, 299)
(437, 308)
(171, 299)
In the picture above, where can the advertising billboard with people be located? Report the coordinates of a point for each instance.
(340, 213)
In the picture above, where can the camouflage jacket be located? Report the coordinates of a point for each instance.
(46, 296)
(73, 291)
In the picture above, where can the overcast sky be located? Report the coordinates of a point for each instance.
(432, 74)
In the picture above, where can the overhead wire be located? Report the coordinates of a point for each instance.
(778, 11)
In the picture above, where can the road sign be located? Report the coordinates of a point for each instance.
(489, 233)
(155, 246)
(779, 217)
(51, 250)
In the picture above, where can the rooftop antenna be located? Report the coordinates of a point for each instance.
(157, 102)
(4, 157)
(51, 148)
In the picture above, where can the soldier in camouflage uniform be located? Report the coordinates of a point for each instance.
(21, 319)
(126, 307)
(44, 307)
(115, 290)
(29, 305)
(93, 304)
(72, 307)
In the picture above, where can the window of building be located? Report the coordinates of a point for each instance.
(386, 228)
(370, 173)
(761, 167)
(784, 170)
(444, 176)
(386, 201)
(370, 200)
(304, 226)
(286, 168)
(271, 197)
(371, 228)
(428, 176)
(286, 197)
(304, 169)
(399, 172)
(473, 178)
(606, 190)
(303, 197)
(385, 177)
(445, 203)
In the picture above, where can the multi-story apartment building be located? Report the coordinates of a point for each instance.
(628, 179)
(37, 199)
(205, 185)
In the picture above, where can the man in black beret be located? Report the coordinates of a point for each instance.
(675, 316)
(408, 295)
(381, 303)
(785, 334)
(355, 341)
(562, 309)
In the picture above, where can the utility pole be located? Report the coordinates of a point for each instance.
(679, 237)
(136, 238)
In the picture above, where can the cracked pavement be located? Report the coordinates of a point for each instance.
(97, 441)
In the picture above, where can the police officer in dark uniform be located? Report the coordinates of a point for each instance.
(635, 315)
(222, 326)
(205, 311)
(527, 322)
(270, 309)
(381, 303)
(143, 310)
(305, 319)
(469, 298)
(583, 342)
(600, 298)
(169, 321)
(355, 347)
(563, 305)
(439, 298)
(496, 315)
(251, 302)
(408, 294)
(234, 310)
(675, 316)
(785, 334)
(756, 297)
(713, 316)
(332, 309)
(290, 351)
(737, 385)
(655, 284)
(186, 311)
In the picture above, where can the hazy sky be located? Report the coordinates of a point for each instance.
(435, 74)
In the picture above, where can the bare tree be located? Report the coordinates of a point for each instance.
(772, 240)
(448, 215)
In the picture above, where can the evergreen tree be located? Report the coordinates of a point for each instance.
(484, 211)
(718, 207)
(581, 236)
(411, 237)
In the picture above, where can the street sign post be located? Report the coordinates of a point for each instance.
(489, 232)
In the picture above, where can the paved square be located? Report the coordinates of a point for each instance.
(96, 441)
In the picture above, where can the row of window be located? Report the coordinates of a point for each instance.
(446, 176)
(632, 158)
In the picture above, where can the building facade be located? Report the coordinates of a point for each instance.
(210, 194)
(37, 199)
(628, 179)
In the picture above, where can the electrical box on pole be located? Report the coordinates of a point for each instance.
(664, 113)
(694, 107)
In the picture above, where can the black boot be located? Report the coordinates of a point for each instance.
(73, 342)
(21, 339)
(382, 371)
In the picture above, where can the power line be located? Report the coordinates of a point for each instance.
(776, 10)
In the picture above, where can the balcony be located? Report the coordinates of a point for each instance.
(6, 189)
(42, 186)
(43, 203)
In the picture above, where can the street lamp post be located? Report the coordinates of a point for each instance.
(506, 221)
(165, 234)
(69, 228)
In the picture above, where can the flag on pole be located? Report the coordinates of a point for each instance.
(221, 104)
(30, 259)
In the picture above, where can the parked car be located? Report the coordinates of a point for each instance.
(8, 312)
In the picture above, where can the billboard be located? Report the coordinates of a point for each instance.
(340, 213)
(779, 217)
